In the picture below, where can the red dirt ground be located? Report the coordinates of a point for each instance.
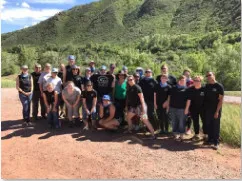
(38, 153)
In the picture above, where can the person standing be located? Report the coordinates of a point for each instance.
(189, 83)
(177, 104)
(136, 77)
(147, 85)
(120, 90)
(125, 69)
(36, 98)
(213, 101)
(86, 77)
(55, 80)
(67, 73)
(42, 82)
(161, 101)
(24, 85)
(61, 102)
(51, 103)
(89, 99)
(171, 79)
(92, 67)
(195, 105)
(72, 96)
(112, 67)
(135, 106)
(76, 78)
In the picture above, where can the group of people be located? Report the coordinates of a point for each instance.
(110, 100)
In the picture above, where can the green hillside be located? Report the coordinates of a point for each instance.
(119, 21)
(200, 35)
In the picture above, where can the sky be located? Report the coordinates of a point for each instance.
(19, 14)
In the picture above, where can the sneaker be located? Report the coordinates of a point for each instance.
(195, 138)
(25, 123)
(152, 137)
(216, 146)
(188, 132)
(86, 128)
(44, 117)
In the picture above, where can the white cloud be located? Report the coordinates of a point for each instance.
(21, 14)
(2, 3)
(52, 1)
(25, 5)
(34, 23)
(26, 26)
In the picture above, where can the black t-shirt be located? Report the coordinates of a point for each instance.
(68, 73)
(162, 94)
(89, 96)
(132, 95)
(50, 96)
(212, 92)
(85, 80)
(102, 84)
(171, 80)
(178, 97)
(35, 80)
(148, 86)
(78, 81)
(197, 98)
(60, 74)
(106, 112)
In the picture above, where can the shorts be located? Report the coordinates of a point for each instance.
(135, 110)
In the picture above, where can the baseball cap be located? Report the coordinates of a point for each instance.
(24, 67)
(55, 70)
(71, 57)
(139, 68)
(125, 68)
(103, 67)
(106, 97)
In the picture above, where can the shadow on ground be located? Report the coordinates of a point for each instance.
(40, 127)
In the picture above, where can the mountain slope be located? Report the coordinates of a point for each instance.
(122, 21)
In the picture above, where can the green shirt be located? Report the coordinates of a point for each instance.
(120, 90)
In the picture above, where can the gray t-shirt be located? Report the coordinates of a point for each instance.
(57, 82)
(42, 79)
(71, 98)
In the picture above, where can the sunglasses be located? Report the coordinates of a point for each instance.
(74, 69)
(209, 75)
(130, 79)
(196, 80)
(147, 72)
(89, 85)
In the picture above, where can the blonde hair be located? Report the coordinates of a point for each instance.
(198, 77)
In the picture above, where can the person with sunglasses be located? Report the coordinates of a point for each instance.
(24, 85)
(171, 79)
(108, 114)
(135, 106)
(195, 105)
(76, 78)
(112, 67)
(147, 85)
(89, 99)
(67, 73)
(213, 101)
(161, 100)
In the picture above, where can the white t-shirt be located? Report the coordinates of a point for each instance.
(42, 79)
(57, 82)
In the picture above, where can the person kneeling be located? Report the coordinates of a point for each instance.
(109, 118)
(51, 99)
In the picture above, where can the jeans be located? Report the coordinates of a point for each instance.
(35, 104)
(178, 120)
(52, 118)
(85, 115)
(25, 100)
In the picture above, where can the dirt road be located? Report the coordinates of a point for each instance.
(38, 153)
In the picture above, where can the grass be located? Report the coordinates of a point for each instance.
(230, 131)
(8, 81)
(233, 93)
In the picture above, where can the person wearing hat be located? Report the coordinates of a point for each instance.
(24, 85)
(67, 73)
(140, 71)
(89, 99)
(72, 96)
(36, 98)
(42, 81)
(103, 70)
(120, 93)
(92, 67)
(108, 114)
(112, 67)
(51, 102)
(136, 77)
(125, 69)
(55, 80)
(147, 85)
(86, 77)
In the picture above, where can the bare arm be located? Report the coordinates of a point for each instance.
(155, 105)
(56, 101)
(77, 101)
(64, 76)
(112, 113)
(101, 111)
(141, 97)
(46, 103)
(94, 103)
(66, 102)
(219, 106)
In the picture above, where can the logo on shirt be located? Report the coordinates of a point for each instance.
(214, 89)
(102, 81)
(202, 94)
(165, 89)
